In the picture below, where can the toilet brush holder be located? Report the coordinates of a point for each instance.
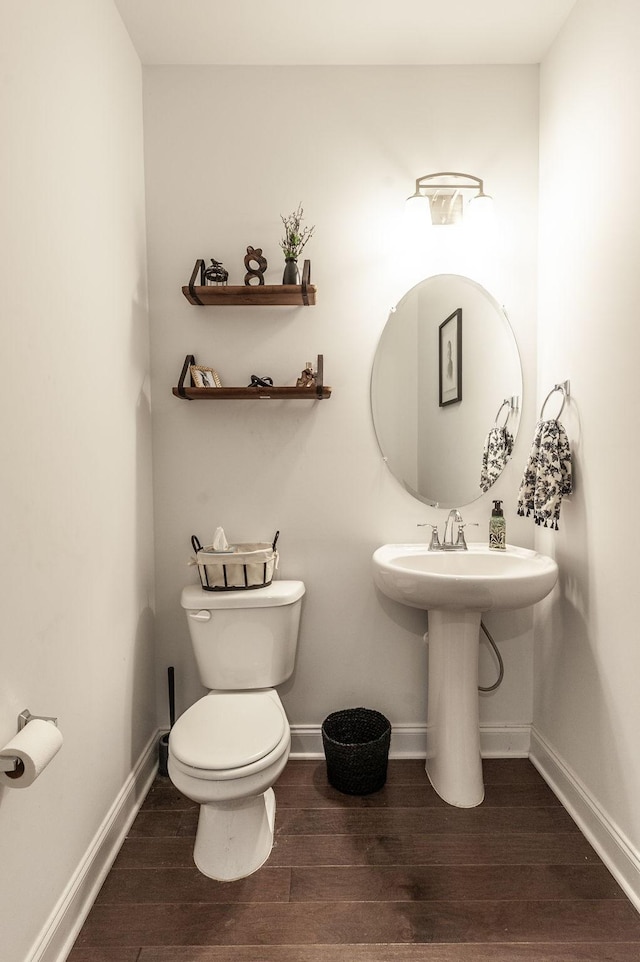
(163, 754)
(163, 744)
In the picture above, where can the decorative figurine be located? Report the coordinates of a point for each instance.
(307, 378)
(216, 274)
(257, 381)
(254, 256)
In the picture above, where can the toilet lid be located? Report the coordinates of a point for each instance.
(228, 730)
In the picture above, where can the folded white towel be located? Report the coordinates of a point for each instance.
(547, 476)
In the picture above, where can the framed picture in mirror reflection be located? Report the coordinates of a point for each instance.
(450, 359)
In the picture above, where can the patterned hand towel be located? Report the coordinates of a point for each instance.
(497, 451)
(547, 476)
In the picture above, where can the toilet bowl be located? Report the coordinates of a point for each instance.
(225, 753)
(228, 749)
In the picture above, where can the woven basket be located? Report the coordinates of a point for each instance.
(356, 746)
(242, 566)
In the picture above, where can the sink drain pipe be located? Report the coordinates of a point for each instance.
(498, 656)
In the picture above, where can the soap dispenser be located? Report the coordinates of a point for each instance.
(497, 528)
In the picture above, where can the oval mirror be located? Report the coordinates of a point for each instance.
(446, 390)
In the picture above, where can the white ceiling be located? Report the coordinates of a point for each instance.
(343, 31)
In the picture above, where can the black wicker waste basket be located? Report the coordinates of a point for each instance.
(356, 746)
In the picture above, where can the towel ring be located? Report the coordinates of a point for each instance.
(506, 402)
(564, 389)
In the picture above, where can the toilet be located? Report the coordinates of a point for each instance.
(228, 749)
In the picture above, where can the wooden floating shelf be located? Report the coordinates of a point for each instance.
(251, 393)
(272, 393)
(263, 295)
(268, 295)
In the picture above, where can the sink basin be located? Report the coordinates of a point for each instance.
(456, 587)
(479, 579)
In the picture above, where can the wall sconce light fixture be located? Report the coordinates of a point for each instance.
(439, 198)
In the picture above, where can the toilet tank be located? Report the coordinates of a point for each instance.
(244, 639)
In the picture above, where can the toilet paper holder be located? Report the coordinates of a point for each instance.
(9, 763)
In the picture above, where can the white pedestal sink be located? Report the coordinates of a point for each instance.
(456, 587)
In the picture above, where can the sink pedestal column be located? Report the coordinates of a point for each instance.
(454, 765)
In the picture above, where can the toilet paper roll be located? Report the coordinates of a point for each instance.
(34, 746)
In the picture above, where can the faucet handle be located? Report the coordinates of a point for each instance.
(435, 540)
(461, 538)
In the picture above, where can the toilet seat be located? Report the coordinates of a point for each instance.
(230, 734)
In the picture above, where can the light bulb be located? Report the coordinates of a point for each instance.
(417, 219)
(480, 214)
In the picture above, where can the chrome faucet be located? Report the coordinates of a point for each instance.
(447, 543)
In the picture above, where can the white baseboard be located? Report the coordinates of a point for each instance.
(614, 848)
(505, 741)
(409, 741)
(63, 925)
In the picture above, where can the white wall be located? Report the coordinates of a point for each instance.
(75, 482)
(227, 150)
(587, 665)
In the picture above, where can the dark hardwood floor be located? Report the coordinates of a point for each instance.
(397, 876)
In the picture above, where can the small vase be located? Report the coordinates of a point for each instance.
(290, 275)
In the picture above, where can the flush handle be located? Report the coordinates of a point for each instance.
(200, 615)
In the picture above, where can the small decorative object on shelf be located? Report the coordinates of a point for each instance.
(261, 388)
(294, 240)
(290, 275)
(256, 381)
(254, 256)
(307, 378)
(204, 376)
(216, 274)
